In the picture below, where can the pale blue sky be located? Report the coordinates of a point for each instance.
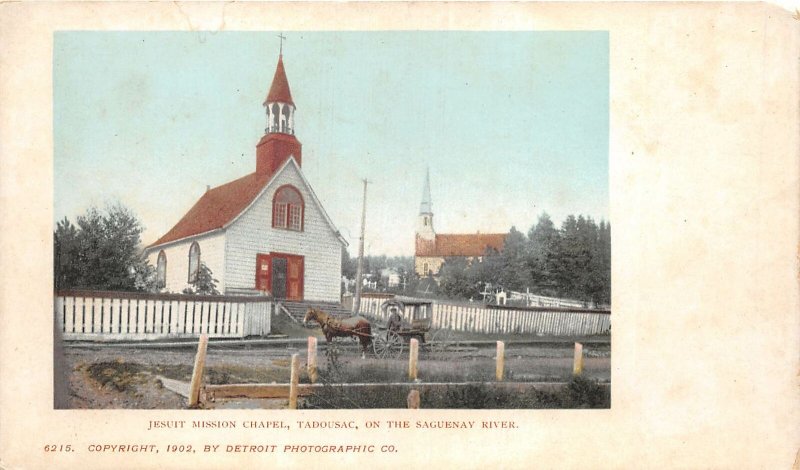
(510, 123)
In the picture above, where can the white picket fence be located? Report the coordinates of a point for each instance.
(480, 319)
(94, 315)
(533, 300)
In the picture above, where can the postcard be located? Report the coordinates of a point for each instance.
(293, 235)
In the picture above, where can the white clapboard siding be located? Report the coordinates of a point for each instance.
(551, 321)
(87, 315)
(318, 243)
(212, 254)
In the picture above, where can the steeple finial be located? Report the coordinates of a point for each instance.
(282, 37)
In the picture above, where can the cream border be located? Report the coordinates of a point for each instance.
(704, 202)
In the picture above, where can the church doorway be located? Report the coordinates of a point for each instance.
(281, 274)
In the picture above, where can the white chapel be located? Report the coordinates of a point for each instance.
(265, 232)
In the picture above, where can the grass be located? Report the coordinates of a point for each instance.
(510, 337)
(578, 393)
(386, 371)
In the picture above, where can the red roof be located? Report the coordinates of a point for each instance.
(457, 244)
(279, 91)
(217, 207)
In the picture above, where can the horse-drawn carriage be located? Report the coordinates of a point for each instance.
(399, 329)
(406, 320)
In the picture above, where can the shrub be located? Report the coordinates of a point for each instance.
(204, 283)
(578, 393)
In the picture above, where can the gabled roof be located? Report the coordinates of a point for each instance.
(216, 208)
(279, 91)
(221, 206)
(458, 244)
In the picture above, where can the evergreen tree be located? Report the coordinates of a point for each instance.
(515, 275)
(543, 244)
(587, 234)
(566, 263)
(603, 263)
(65, 253)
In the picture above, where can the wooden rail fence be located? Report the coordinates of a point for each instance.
(529, 320)
(201, 395)
(99, 315)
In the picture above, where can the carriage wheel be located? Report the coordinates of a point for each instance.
(387, 345)
(441, 340)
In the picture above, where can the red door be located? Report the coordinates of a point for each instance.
(294, 277)
(281, 274)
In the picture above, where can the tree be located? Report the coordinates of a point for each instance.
(103, 252)
(582, 262)
(487, 269)
(204, 283)
(543, 244)
(515, 275)
(348, 264)
(65, 254)
(454, 279)
(602, 262)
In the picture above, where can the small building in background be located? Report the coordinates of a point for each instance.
(390, 277)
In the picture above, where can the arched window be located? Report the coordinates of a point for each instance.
(161, 270)
(275, 116)
(285, 120)
(425, 268)
(288, 209)
(194, 261)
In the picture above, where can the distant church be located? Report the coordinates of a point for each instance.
(264, 232)
(433, 248)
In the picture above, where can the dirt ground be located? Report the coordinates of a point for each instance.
(127, 377)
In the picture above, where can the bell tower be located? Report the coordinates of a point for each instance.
(278, 142)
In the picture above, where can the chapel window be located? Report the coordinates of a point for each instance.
(194, 261)
(161, 270)
(288, 209)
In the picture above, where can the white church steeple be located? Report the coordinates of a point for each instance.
(425, 221)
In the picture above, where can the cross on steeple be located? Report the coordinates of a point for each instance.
(282, 37)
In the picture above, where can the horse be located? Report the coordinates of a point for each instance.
(352, 326)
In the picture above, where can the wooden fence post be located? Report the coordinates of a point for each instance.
(312, 359)
(412, 358)
(295, 379)
(197, 373)
(577, 361)
(501, 361)
(413, 400)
